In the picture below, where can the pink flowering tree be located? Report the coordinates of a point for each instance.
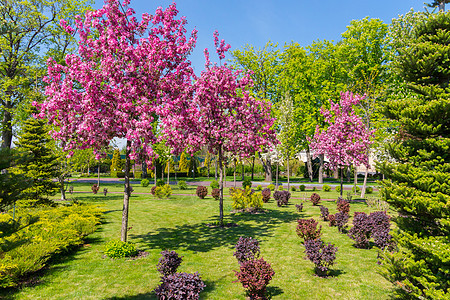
(224, 116)
(346, 140)
(123, 81)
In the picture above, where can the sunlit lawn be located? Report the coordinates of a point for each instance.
(181, 223)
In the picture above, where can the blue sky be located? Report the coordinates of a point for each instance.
(242, 22)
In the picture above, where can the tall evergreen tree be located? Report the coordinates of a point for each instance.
(11, 185)
(418, 182)
(41, 165)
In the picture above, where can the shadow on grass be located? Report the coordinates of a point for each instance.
(210, 286)
(273, 291)
(204, 237)
(55, 264)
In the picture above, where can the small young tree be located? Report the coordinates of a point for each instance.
(224, 116)
(126, 76)
(346, 140)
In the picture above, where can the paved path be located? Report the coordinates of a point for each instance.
(227, 184)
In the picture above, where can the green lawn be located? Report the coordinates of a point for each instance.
(181, 224)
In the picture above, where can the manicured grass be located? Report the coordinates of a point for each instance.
(181, 224)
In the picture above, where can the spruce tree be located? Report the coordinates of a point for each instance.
(11, 185)
(41, 163)
(418, 181)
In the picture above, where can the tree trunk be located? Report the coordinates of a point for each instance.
(61, 187)
(144, 169)
(98, 173)
(321, 159)
(127, 193)
(168, 171)
(267, 165)
(208, 164)
(309, 164)
(342, 179)
(288, 173)
(243, 171)
(363, 189)
(234, 173)
(348, 174)
(355, 179)
(7, 126)
(253, 166)
(336, 174)
(276, 177)
(221, 188)
(156, 178)
(215, 163)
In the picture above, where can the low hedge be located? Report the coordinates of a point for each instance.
(29, 242)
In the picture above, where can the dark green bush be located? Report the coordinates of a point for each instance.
(145, 182)
(369, 190)
(302, 187)
(358, 189)
(160, 182)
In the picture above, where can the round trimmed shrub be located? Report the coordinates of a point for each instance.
(271, 187)
(182, 185)
(369, 190)
(293, 188)
(302, 187)
(315, 198)
(214, 184)
(202, 191)
(338, 189)
(326, 188)
(358, 189)
(215, 194)
(119, 249)
(145, 182)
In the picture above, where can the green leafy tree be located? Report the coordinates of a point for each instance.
(30, 33)
(365, 53)
(266, 67)
(419, 176)
(41, 165)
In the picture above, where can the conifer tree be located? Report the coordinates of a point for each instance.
(184, 163)
(418, 181)
(115, 163)
(41, 163)
(11, 185)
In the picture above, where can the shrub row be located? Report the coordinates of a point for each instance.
(52, 230)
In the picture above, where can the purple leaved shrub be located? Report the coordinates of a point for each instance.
(246, 249)
(215, 193)
(266, 195)
(180, 286)
(169, 263)
(343, 205)
(255, 275)
(361, 230)
(307, 229)
(202, 191)
(380, 223)
(315, 198)
(299, 207)
(321, 255)
(341, 219)
(324, 213)
(282, 197)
